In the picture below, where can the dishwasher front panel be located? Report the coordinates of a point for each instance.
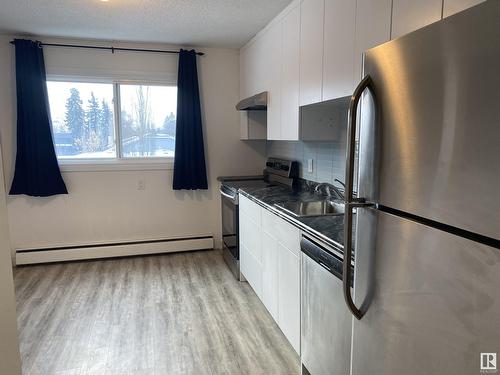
(326, 321)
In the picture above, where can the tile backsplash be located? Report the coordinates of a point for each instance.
(328, 157)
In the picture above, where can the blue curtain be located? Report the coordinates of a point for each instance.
(37, 172)
(189, 164)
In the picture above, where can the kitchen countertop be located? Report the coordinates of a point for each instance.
(329, 228)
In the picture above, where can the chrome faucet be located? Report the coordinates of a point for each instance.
(340, 183)
(328, 190)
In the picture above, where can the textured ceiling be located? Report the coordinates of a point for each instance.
(211, 23)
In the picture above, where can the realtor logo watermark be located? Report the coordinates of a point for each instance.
(488, 363)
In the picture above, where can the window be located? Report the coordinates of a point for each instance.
(86, 126)
(147, 120)
(82, 119)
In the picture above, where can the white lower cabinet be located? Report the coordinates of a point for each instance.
(251, 269)
(289, 295)
(270, 261)
(250, 244)
(270, 274)
(250, 234)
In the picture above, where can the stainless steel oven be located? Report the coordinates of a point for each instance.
(277, 171)
(230, 226)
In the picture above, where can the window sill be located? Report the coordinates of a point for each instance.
(116, 165)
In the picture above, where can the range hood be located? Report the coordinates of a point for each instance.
(254, 103)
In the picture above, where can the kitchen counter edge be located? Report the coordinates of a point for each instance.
(295, 222)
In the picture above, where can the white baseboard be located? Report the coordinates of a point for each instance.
(32, 256)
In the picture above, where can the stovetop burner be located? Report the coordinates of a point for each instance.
(277, 172)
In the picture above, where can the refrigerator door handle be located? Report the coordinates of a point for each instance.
(352, 202)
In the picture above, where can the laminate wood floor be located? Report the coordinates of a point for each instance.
(167, 314)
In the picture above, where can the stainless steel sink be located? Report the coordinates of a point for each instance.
(313, 208)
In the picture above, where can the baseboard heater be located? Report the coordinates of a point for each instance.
(110, 250)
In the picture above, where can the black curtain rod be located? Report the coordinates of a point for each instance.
(112, 49)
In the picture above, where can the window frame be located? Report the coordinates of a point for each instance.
(118, 162)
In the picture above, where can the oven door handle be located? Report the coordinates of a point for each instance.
(228, 196)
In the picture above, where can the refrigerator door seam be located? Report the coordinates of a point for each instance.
(492, 242)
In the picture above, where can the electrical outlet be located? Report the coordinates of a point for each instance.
(310, 167)
(141, 185)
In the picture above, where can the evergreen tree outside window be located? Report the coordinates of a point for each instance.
(85, 126)
(74, 116)
(82, 119)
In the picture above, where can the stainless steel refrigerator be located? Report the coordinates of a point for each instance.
(426, 295)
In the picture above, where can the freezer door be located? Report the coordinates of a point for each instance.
(432, 299)
(437, 121)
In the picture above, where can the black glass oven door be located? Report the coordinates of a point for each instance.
(230, 225)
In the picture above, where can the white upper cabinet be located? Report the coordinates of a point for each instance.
(252, 68)
(373, 27)
(312, 14)
(260, 61)
(410, 15)
(338, 59)
(270, 62)
(290, 75)
(451, 7)
(313, 52)
(272, 44)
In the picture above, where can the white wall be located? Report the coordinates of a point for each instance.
(106, 206)
(10, 362)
